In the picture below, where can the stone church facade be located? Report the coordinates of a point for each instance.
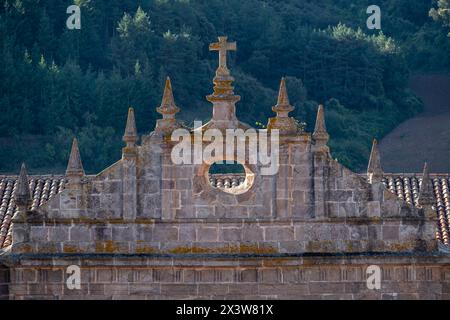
(145, 228)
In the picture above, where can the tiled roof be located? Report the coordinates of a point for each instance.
(42, 188)
(407, 188)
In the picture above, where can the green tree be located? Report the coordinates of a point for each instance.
(442, 12)
(133, 42)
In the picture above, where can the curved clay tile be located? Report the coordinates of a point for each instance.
(42, 189)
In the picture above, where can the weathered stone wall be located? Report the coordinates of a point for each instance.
(137, 228)
(312, 277)
(147, 204)
(232, 236)
(4, 282)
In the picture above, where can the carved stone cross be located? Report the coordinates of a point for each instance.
(222, 46)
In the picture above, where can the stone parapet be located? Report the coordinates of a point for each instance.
(245, 277)
(229, 235)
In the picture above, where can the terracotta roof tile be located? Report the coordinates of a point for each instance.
(226, 181)
(407, 188)
(42, 188)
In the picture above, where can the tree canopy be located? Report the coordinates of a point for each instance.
(56, 83)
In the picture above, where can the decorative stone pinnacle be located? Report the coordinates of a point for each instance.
(75, 167)
(426, 194)
(130, 135)
(320, 134)
(23, 194)
(283, 107)
(282, 121)
(374, 169)
(223, 89)
(168, 109)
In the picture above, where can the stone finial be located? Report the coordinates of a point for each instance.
(74, 167)
(223, 89)
(282, 121)
(374, 169)
(426, 193)
(320, 134)
(283, 99)
(130, 136)
(168, 110)
(23, 194)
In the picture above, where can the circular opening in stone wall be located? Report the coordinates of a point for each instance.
(231, 177)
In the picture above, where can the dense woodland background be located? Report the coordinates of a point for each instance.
(56, 83)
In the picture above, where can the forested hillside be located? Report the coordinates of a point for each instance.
(56, 83)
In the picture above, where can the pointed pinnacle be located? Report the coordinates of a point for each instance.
(75, 167)
(426, 193)
(168, 94)
(23, 194)
(130, 129)
(168, 106)
(283, 107)
(320, 128)
(426, 171)
(374, 166)
(283, 98)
